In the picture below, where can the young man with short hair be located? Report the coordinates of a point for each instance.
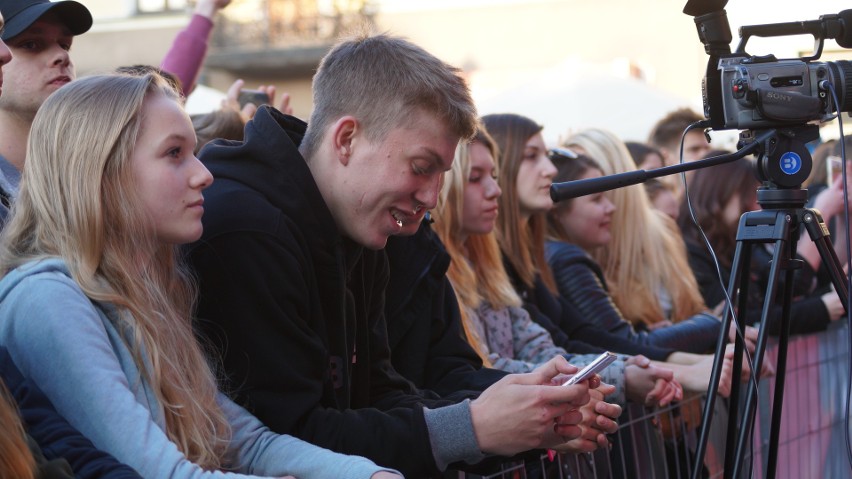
(667, 132)
(40, 34)
(293, 278)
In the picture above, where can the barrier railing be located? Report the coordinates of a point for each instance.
(659, 443)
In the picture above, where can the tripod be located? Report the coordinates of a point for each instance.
(783, 163)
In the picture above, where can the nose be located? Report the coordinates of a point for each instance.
(427, 195)
(492, 189)
(548, 170)
(200, 177)
(609, 206)
(5, 53)
(61, 56)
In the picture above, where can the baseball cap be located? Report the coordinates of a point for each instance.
(20, 14)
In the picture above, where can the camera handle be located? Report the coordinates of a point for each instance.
(778, 223)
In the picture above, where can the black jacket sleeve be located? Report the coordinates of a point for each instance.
(56, 438)
(580, 282)
(808, 313)
(571, 323)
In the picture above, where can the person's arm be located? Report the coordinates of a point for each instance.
(265, 453)
(582, 286)
(54, 435)
(58, 339)
(531, 342)
(579, 281)
(579, 329)
(189, 48)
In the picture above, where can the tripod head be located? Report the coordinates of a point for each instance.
(783, 164)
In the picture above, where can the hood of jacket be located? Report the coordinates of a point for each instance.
(52, 266)
(269, 164)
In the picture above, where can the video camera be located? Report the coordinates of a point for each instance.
(743, 91)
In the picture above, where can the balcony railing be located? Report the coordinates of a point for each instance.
(276, 24)
(283, 37)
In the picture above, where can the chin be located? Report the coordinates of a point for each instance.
(375, 242)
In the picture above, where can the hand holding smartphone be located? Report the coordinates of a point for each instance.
(256, 97)
(592, 368)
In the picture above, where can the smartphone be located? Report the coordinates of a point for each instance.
(256, 97)
(592, 368)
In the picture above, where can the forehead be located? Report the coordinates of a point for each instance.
(426, 135)
(480, 156)
(161, 113)
(695, 136)
(535, 141)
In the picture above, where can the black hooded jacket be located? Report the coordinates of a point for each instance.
(424, 323)
(295, 310)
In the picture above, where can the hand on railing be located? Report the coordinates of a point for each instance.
(650, 384)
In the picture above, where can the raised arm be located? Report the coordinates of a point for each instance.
(189, 48)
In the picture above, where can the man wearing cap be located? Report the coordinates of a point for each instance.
(39, 34)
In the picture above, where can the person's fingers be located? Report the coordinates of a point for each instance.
(284, 106)
(567, 432)
(572, 417)
(605, 389)
(639, 360)
(547, 371)
(655, 393)
(270, 92)
(669, 395)
(607, 409)
(248, 111)
(234, 90)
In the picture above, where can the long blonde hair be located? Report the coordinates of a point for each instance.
(78, 201)
(476, 270)
(522, 242)
(646, 253)
(16, 460)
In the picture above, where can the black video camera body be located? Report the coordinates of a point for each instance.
(762, 92)
(743, 91)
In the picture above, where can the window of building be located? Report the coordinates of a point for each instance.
(159, 6)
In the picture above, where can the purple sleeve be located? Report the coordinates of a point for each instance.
(188, 51)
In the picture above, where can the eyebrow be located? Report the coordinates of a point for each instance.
(434, 157)
(177, 137)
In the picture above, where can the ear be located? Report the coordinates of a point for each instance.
(343, 133)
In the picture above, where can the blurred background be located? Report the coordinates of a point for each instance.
(569, 64)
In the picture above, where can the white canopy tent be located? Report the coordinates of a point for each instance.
(572, 97)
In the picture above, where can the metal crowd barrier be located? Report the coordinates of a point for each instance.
(659, 443)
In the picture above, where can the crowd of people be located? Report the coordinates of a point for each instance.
(385, 290)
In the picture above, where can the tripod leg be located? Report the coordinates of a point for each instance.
(734, 404)
(779, 261)
(775, 432)
(819, 235)
(716, 373)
